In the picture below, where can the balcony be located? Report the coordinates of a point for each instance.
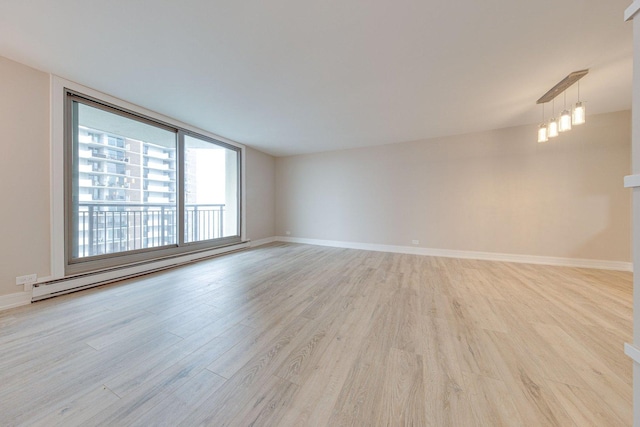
(158, 166)
(158, 189)
(157, 154)
(155, 177)
(107, 228)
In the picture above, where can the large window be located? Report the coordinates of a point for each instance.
(138, 189)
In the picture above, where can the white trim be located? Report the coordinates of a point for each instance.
(255, 243)
(57, 96)
(72, 284)
(631, 181)
(631, 11)
(57, 176)
(243, 191)
(632, 351)
(14, 300)
(451, 253)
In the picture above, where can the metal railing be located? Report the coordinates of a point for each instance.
(104, 228)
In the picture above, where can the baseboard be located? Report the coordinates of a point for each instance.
(632, 351)
(260, 242)
(14, 300)
(486, 256)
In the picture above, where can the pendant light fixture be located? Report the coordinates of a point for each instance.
(579, 112)
(553, 122)
(542, 129)
(542, 133)
(565, 117)
(575, 116)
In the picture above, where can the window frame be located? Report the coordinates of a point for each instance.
(63, 266)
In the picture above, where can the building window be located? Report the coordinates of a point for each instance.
(138, 189)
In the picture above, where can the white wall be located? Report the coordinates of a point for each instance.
(261, 211)
(496, 191)
(24, 173)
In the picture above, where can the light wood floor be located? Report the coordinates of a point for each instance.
(288, 335)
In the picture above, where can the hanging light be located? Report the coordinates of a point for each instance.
(542, 133)
(565, 117)
(579, 112)
(553, 128)
(564, 123)
(542, 129)
(552, 131)
(568, 117)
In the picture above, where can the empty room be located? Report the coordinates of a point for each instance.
(319, 214)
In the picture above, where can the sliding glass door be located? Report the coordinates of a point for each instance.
(138, 189)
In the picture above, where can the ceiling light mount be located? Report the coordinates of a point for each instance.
(561, 86)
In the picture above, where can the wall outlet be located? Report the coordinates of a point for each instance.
(28, 279)
(415, 242)
(288, 233)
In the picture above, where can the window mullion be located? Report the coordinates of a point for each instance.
(180, 188)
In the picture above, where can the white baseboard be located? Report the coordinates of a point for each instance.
(260, 242)
(14, 300)
(487, 256)
(632, 351)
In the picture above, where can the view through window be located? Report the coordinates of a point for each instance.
(210, 182)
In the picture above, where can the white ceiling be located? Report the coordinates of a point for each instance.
(291, 77)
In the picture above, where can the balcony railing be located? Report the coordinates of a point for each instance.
(104, 228)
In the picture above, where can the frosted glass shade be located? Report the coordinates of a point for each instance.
(579, 113)
(542, 133)
(552, 128)
(564, 123)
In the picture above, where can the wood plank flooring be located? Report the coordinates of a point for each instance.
(298, 335)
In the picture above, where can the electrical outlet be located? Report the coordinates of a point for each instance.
(415, 242)
(288, 233)
(28, 279)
